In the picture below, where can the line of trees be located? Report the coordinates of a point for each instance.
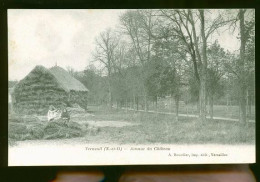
(158, 53)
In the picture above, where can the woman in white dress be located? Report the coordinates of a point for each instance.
(53, 113)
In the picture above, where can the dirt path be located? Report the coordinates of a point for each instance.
(116, 124)
(188, 115)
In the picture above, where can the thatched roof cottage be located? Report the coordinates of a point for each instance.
(43, 87)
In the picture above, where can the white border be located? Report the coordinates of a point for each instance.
(53, 155)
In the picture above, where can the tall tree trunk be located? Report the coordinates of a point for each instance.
(203, 69)
(117, 105)
(208, 104)
(227, 104)
(249, 105)
(177, 107)
(242, 75)
(156, 104)
(144, 95)
(110, 98)
(145, 103)
(243, 105)
(134, 102)
(202, 102)
(137, 103)
(211, 106)
(109, 90)
(187, 109)
(126, 105)
(198, 107)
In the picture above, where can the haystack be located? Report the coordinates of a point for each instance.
(43, 87)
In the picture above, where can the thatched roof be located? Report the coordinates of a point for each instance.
(66, 81)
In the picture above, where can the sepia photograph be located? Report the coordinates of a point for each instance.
(131, 86)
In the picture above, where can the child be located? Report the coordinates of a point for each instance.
(65, 116)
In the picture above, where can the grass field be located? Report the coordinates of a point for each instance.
(224, 111)
(102, 125)
(160, 128)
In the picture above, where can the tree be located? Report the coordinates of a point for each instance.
(242, 67)
(95, 83)
(216, 57)
(120, 87)
(71, 71)
(250, 66)
(166, 69)
(106, 45)
(184, 27)
(243, 74)
(138, 25)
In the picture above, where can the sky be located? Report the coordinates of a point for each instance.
(47, 37)
(63, 37)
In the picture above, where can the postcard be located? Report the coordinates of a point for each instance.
(131, 86)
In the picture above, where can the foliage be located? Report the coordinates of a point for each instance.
(216, 70)
(171, 53)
